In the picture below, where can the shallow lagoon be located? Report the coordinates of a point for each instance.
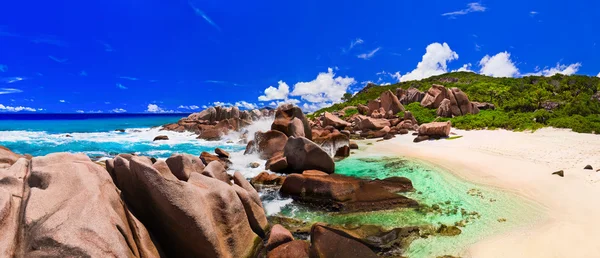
(446, 199)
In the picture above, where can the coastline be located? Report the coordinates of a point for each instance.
(522, 163)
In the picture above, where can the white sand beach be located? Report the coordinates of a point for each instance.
(523, 162)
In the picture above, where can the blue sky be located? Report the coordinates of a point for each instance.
(178, 56)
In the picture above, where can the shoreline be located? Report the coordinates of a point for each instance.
(522, 163)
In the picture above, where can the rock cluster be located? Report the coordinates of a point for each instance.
(214, 122)
(449, 102)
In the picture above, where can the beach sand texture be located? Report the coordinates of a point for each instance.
(523, 163)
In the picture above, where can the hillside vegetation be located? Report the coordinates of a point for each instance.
(526, 103)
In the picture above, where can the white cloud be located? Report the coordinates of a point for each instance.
(287, 101)
(119, 110)
(464, 68)
(9, 91)
(498, 65)
(325, 88)
(246, 105)
(312, 107)
(80, 111)
(471, 8)
(395, 75)
(192, 107)
(13, 79)
(16, 109)
(120, 86)
(598, 75)
(153, 108)
(367, 56)
(62, 101)
(433, 63)
(559, 68)
(355, 43)
(219, 103)
(273, 93)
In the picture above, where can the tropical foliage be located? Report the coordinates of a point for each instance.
(526, 103)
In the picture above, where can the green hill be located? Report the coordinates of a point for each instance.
(526, 103)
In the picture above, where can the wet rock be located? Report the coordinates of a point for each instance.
(264, 178)
(270, 143)
(278, 236)
(208, 158)
(120, 130)
(327, 242)
(293, 249)
(277, 163)
(344, 151)
(161, 138)
(588, 167)
(340, 193)
(353, 145)
(222, 153)
(560, 173)
(303, 154)
(254, 165)
(384, 242)
(448, 230)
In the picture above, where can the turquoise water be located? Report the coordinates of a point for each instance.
(96, 136)
(478, 211)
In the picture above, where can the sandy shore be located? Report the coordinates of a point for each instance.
(522, 162)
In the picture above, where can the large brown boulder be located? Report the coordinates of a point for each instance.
(409, 96)
(278, 236)
(216, 169)
(332, 120)
(362, 109)
(203, 217)
(267, 144)
(264, 178)
(445, 108)
(293, 249)
(303, 154)
(373, 123)
(209, 114)
(462, 105)
(47, 204)
(341, 193)
(373, 105)
(284, 117)
(332, 142)
(182, 165)
(434, 97)
(329, 243)
(389, 102)
(439, 129)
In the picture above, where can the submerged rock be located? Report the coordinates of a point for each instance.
(347, 194)
(449, 230)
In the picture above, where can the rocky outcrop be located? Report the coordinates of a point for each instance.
(340, 193)
(409, 96)
(332, 120)
(484, 105)
(278, 236)
(182, 165)
(389, 102)
(362, 109)
(47, 204)
(434, 96)
(444, 110)
(290, 120)
(264, 178)
(368, 123)
(303, 154)
(200, 217)
(331, 141)
(435, 129)
(293, 249)
(214, 122)
(161, 138)
(329, 243)
(460, 104)
(267, 144)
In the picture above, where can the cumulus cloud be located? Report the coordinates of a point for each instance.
(498, 65)
(287, 101)
(153, 108)
(9, 91)
(325, 88)
(559, 68)
(118, 110)
(192, 107)
(272, 93)
(368, 55)
(219, 103)
(4, 108)
(471, 8)
(434, 62)
(246, 105)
